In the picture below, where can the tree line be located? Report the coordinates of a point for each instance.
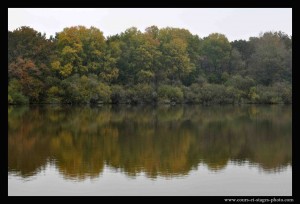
(168, 65)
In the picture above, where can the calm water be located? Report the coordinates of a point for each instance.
(123, 150)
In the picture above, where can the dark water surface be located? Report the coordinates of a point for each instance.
(144, 150)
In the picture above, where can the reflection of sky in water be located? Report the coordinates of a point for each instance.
(232, 180)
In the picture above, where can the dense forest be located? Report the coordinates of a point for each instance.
(167, 65)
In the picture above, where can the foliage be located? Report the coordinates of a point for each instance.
(15, 95)
(169, 65)
(167, 93)
(216, 93)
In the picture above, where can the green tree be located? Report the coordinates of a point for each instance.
(15, 95)
(80, 50)
(175, 60)
(268, 63)
(216, 53)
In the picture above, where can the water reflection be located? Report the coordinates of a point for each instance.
(162, 141)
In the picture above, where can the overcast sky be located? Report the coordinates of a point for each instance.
(238, 23)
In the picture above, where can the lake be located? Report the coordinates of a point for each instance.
(145, 150)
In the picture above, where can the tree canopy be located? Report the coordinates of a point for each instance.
(167, 65)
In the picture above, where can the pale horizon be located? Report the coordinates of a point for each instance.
(236, 24)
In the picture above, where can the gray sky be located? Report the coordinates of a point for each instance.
(238, 23)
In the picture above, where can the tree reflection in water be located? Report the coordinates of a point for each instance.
(159, 141)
